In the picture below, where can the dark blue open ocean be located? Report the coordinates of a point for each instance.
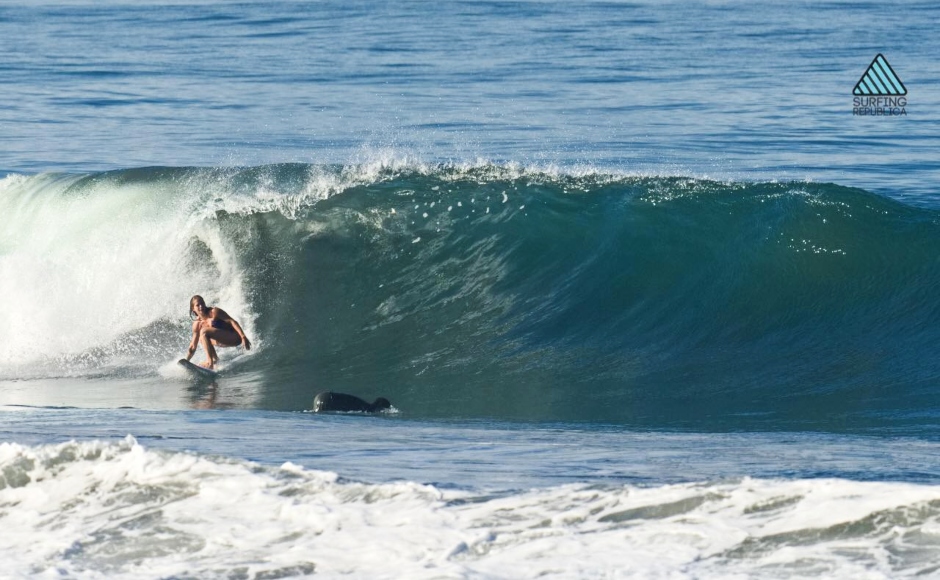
(652, 293)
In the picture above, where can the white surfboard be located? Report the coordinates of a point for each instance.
(197, 370)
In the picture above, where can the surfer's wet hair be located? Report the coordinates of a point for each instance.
(193, 299)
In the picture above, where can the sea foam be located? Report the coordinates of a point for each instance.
(95, 510)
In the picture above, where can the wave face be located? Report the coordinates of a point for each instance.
(487, 290)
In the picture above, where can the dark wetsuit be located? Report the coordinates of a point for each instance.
(330, 401)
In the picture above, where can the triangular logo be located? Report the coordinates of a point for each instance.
(879, 80)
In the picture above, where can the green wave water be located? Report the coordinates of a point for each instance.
(493, 291)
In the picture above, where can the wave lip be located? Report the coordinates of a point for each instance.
(95, 509)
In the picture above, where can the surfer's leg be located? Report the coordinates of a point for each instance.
(211, 337)
(211, 356)
(221, 337)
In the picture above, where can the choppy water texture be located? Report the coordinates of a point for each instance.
(648, 300)
(729, 90)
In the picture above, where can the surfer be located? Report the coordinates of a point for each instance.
(213, 327)
(330, 401)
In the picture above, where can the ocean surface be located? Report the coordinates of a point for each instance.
(648, 297)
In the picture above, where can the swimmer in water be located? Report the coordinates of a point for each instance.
(213, 327)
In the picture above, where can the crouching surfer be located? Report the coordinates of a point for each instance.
(341, 402)
(213, 328)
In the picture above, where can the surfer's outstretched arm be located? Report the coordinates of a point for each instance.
(194, 343)
(245, 342)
